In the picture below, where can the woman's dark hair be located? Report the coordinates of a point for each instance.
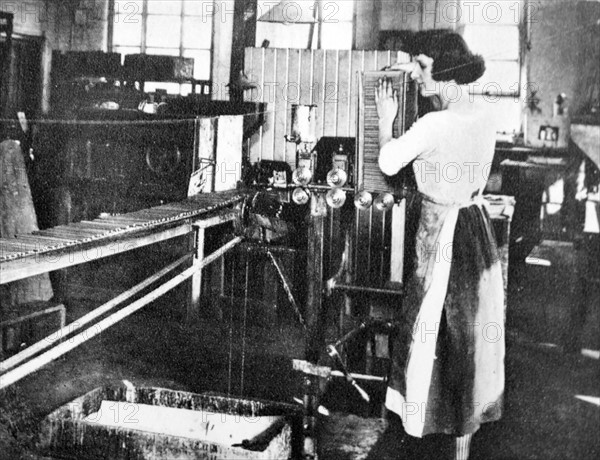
(452, 59)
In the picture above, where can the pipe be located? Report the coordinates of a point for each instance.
(66, 330)
(287, 290)
(352, 288)
(372, 378)
(45, 358)
(331, 351)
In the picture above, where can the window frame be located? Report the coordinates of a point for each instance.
(321, 18)
(523, 37)
(143, 45)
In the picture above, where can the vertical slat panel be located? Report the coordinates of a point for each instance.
(253, 69)
(331, 93)
(268, 81)
(335, 241)
(280, 104)
(292, 93)
(384, 58)
(356, 65)
(318, 84)
(397, 244)
(324, 78)
(372, 59)
(251, 96)
(386, 230)
(247, 97)
(306, 76)
(402, 56)
(343, 95)
(377, 247)
(363, 247)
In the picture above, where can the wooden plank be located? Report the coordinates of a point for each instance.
(206, 151)
(101, 224)
(66, 233)
(280, 105)
(253, 69)
(397, 244)
(307, 65)
(363, 246)
(314, 299)
(343, 96)
(377, 247)
(81, 229)
(45, 241)
(293, 93)
(268, 84)
(356, 65)
(23, 245)
(228, 154)
(318, 87)
(383, 59)
(330, 93)
(221, 218)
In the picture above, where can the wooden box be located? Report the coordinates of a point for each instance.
(113, 423)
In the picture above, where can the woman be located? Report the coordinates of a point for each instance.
(447, 371)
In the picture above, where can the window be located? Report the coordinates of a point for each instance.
(325, 24)
(494, 29)
(166, 27)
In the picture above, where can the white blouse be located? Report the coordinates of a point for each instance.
(452, 151)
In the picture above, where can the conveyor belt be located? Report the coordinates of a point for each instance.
(113, 226)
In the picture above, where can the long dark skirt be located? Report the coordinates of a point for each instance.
(447, 371)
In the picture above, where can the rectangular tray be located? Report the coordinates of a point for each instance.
(73, 431)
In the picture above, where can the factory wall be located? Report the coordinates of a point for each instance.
(565, 53)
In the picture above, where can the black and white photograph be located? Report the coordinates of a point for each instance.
(299, 229)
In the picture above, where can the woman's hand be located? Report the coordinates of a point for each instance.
(386, 101)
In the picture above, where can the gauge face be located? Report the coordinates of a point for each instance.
(163, 160)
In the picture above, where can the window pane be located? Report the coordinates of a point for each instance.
(201, 63)
(129, 7)
(491, 12)
(499, 77)
(493, 42)
(164, 7)
(202, 8)
(287, 11)
(283, 35)
(127, 30)
(338, 10)
(163, 31)
(152, 86)
(505, 113)
(163, 51)
(196, 33)
(337, 36)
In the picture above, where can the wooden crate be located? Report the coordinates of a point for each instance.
(70, 431)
